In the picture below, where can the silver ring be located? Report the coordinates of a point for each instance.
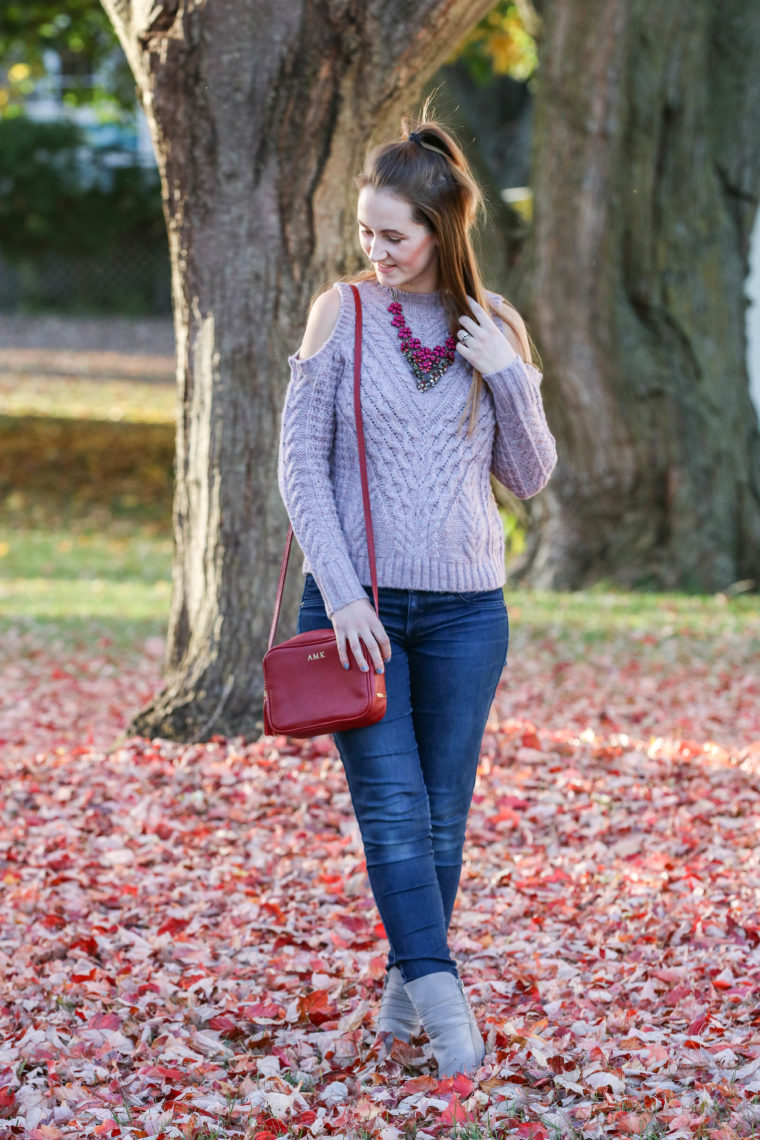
(465, 336)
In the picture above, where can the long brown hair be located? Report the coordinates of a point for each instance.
(434, 177)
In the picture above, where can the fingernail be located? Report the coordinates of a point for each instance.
(380, 669)
(365, 668)
(345, 664)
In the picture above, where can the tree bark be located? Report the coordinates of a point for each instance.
(495, 121)
(260, 115)
(646, 176)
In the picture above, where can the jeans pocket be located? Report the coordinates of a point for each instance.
(485, 597)
(312, 595)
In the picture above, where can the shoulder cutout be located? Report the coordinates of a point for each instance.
(515, 330)
(323, 317)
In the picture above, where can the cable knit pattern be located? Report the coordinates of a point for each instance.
(435, 519)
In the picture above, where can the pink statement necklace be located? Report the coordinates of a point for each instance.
(427, 364)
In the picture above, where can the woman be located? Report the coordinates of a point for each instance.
(448, 397)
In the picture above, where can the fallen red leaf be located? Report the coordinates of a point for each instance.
(192, 943)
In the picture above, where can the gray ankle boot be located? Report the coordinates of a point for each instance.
(397, 1016)
(442, 1004)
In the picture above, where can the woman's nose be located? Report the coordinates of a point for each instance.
(377, 251)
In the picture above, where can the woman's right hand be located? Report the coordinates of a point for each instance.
(356, 623)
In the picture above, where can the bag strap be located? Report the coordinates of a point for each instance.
(362, 452)
(365, 482)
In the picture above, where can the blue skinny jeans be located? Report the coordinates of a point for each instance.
(411, 775)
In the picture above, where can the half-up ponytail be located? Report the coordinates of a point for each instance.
(427, 168)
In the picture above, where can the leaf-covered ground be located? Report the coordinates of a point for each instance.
(189, 947)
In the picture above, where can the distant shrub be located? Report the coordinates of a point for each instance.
(58, 195)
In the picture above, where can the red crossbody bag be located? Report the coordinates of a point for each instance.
(307, 692)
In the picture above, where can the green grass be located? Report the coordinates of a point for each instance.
(76, 586)
(85, 533)
(119, 552)
(75, 581)
(86, 398)
(67, 602)
(85, 530)
(597, 613)
(83, 605)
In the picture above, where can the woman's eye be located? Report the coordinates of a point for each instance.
(368, 234)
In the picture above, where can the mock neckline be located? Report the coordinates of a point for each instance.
(410, 300)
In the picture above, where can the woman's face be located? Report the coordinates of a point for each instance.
(403, 252)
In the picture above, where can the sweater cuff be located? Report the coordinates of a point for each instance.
(338, 585)
(519, 383)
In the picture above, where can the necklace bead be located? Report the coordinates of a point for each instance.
(427, 364)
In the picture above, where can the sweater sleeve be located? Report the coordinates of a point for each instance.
(306, 441)
(524, 452)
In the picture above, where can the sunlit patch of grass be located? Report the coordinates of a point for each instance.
(88, 398)
(121, 573)
(61, 599)
(86, 481)
(597, 613)
(81, 615)
(86, 534)
(118, 551)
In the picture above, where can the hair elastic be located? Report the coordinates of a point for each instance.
(414, 137)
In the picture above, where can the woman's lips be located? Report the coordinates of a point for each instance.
(385, 268)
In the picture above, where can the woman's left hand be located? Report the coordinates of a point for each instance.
(486, 348)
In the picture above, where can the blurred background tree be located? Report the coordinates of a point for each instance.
(66, 81)
(645, 178)
(623, 179)
(79, 43)
(81, 222)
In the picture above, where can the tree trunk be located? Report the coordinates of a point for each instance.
(496, 121)
(646, 175)
(260, 115)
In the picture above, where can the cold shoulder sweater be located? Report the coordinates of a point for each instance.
(434, 516)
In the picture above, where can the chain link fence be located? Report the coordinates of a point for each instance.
(132, 280)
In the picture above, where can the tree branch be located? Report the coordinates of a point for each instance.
(153, 17)
(423, 52)
(137, 21)
(119, 12)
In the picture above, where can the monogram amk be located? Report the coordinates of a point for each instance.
(316, 656)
